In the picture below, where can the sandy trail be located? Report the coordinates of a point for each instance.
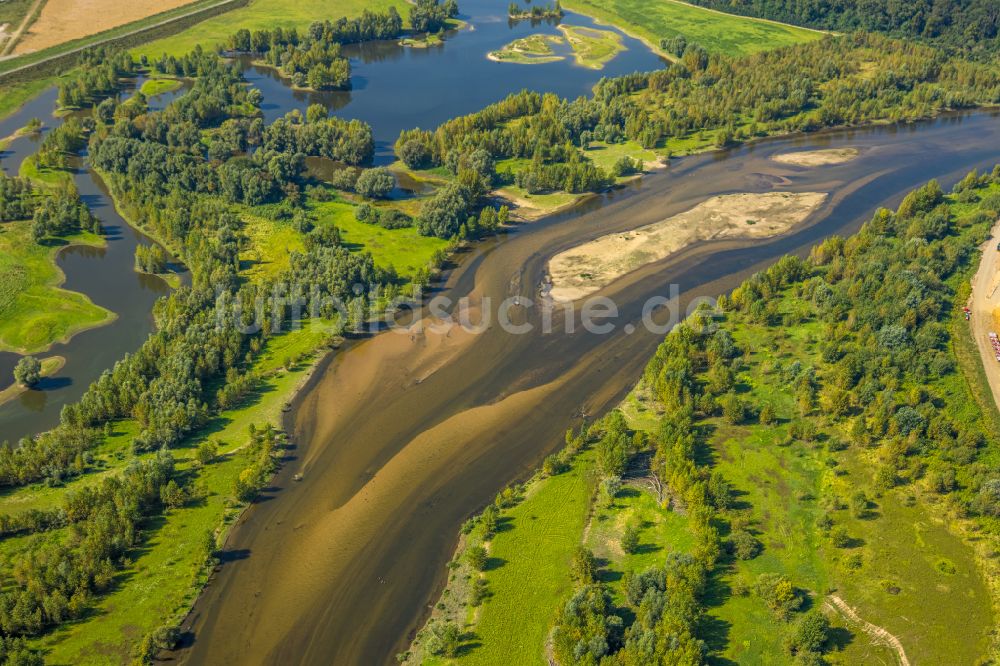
(877, 633)
(587, 268)
(984, 302)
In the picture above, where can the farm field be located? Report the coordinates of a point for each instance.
(63, 21)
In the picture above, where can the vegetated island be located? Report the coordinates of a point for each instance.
(584, 269)
(531, 50)
(815, 158)
(593, 48)
(50, 366)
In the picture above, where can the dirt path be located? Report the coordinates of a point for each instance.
(16, 36)
(880, 635)
(984, 302)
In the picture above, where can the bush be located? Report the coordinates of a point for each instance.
(583, 567)
(477, 557)
(443, 640)
(630, 539)
(744, 545)
(554, 465)
(810, 633)
(778, 593)
(375, 183)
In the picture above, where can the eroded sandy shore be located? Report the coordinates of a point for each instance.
(815, 158)
(582, 270)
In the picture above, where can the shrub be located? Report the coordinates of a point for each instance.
(375, 183)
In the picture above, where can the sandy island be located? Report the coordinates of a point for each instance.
(587, 268)
(815, 158)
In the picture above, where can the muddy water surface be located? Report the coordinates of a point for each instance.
(401, 437)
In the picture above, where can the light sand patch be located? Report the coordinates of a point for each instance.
(816, 158)
(587, 268)
(65, 20)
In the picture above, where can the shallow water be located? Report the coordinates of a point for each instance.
(399, 439)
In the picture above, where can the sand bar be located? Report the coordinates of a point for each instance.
(587, 268)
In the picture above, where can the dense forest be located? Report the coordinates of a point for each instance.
(968, 25)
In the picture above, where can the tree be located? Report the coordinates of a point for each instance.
(810, 633)
(414, 154)
(206, 452)
(477, 557)
(583, 566)
(375, 183)
(28, 371)
(443, 214)
(778, 593)
(630, 538)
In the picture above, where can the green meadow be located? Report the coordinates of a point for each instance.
(260, 14)
(34, 311)
(654, 20)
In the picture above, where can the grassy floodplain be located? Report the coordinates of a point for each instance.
(34, 311)
(262, 14)
(721, 33)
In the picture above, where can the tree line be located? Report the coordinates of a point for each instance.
(967, 25)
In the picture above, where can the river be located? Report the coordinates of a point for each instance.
(400, 438)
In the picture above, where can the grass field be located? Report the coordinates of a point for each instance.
(34, 311)
(404, 249)
(908, 564)
(653, 20)
(899, 584)
(263, 14)
(154, 87)
(527, 572)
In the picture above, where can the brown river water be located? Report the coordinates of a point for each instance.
(401, 437)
